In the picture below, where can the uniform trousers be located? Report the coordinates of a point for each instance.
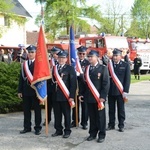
(62, 108)
(30, 102)
(97, 121)
(112, 110)
(84, 113)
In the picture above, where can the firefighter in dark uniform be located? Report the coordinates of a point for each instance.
(28, 95)
(122, 71)
(99, 77)
(137, 64)
(84, 111)
(61, 103)
(50, 85)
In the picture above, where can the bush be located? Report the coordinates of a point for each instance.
(9, 77)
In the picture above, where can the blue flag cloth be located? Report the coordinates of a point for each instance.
(72, 48)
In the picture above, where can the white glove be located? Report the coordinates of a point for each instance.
(125, 95)
(77, 73)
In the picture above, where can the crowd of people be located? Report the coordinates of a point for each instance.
(10, 55)
(96, 83)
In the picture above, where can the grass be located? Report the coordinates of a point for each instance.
(142, 78)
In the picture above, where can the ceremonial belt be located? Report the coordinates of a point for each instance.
(27, 71)
(115, 78)
(78, 67)
(93, 89)
(63, 86)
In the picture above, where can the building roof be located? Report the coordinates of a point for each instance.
(18, 9)
(32, 37)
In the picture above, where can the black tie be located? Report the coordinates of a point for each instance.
(59, 68)
(92, 67)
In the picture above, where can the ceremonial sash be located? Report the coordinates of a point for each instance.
(52, 62)
(93, 89)
(115, 78)
(27, 71)
(63, 86)
(78, 67)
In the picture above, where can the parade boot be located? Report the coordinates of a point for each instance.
(138, 77)
(135, 77)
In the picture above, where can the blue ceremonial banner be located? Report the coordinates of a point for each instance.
(72, 50)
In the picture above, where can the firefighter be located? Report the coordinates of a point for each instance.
(137, 65)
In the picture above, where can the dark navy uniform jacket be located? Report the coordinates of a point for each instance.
(80, 78)
(69, 78)
(122, 71)
(24, 85)
(100, 78)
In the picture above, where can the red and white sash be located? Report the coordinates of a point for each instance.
(27, 71)
(63, 87)
(93, 89)
(52, 62)
(115, 78)
(78, 67)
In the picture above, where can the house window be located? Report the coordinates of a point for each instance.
(6, 21)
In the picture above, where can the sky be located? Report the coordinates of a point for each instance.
(35, 9)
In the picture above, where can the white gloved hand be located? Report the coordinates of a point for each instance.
(77, 73)
(125, 95)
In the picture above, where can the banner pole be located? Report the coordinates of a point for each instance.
(46, 118)
(76, 108)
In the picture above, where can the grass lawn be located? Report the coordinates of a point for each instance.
(142, 78)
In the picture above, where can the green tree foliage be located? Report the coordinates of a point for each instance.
(60, 14)
(140, 26)
(114, 18)
(9, 74)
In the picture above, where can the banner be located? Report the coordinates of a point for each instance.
(41, 68)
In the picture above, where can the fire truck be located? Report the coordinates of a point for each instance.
(105, 44)
(141, 47)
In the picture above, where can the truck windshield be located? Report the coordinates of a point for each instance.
(140, 46)
(116, 42)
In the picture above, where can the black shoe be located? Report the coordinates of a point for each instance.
(37, 132)
(56, 134)
(110, 128)
(44, 124)
(90, 138)
(100, 140)
(84, 127)
(25, 131)
(66, 135)
(121, 129)
(73, 125)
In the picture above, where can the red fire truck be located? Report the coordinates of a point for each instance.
(141, 47)
(105, 44)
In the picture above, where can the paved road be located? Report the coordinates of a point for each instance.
(135, 137)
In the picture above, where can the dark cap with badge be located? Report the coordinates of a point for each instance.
(117, 52)
(93, 53)
(31, 48)
(56, 50)
(82, 49)
(63, 54)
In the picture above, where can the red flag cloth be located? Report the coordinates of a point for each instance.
(41, 66)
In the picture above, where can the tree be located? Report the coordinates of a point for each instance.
(140, 26)
(114, 20)
(60, 14)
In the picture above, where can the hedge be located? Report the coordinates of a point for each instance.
(9, 77)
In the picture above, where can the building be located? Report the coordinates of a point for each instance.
(14, 34)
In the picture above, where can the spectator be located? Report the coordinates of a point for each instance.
(137, 64)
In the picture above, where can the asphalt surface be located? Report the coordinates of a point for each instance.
(135, 137)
